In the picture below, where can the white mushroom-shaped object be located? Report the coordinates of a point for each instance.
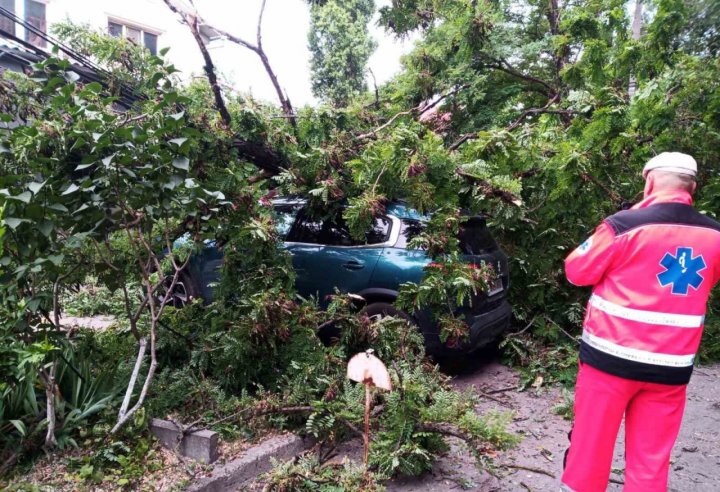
(366, 368)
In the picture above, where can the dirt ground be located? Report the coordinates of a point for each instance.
(695, 459)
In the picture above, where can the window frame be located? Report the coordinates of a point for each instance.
(30, 36)
(10, 22)
(127, 24)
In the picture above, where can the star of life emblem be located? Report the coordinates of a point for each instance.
(682, 271)
(585, 247)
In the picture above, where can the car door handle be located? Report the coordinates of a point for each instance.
(354, 265)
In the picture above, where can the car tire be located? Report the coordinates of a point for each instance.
(330, 333)
(184, 292)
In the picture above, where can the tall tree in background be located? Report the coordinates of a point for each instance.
(340, 44)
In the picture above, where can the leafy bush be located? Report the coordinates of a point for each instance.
(85, 388)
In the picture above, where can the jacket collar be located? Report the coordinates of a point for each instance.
(665, 196)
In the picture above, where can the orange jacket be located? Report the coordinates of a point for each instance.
(652, 268)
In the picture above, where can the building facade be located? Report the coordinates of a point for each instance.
(148, 23)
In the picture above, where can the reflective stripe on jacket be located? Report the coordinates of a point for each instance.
(652, 268)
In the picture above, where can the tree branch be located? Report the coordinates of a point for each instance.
(209, 67)
(513, 126)
(587, 177)
(544, 110)
(502, 65)
(448, 430)
(419, 110)
(257, 48)
(490, 191)
(133, 379)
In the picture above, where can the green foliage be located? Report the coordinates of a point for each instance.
(84, 390)
(566, 407)
(307, 474)
(447, 285)
(120, 461)
(541, 363)
(276, 369)
(340, 46)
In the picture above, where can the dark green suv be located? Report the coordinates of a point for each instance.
(326, 257)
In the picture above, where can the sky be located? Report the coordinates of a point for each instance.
(285, 27)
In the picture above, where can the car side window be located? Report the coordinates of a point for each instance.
(285, 217)
(334, 232)
(379, 231)
(410, 229)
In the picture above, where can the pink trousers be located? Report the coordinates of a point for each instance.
(653, 413)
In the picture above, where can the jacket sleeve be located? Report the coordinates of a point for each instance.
(587, 264)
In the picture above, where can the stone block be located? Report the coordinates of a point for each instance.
(200, 445)
(256, 460)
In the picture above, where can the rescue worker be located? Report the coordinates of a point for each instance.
(652, 268)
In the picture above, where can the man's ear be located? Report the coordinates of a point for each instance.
(694, 187)
(649, 183)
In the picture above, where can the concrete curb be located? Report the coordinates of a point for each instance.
(200, 445)
(255, 461)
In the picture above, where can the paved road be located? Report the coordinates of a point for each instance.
(695, 459)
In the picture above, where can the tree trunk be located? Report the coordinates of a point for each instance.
(636, 31)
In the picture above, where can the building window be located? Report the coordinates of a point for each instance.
(35, 16)
(6, 23)
(135, 34)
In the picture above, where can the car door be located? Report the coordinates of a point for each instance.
(326, 257)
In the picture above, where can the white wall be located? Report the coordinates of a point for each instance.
(152, 15)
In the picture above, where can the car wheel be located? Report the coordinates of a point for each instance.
(329, 333)
(183, 292)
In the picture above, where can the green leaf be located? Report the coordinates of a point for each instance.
(181, 163)
(128, 172)
(217, 194)
(24, 197)
(20, 426)
(82, 207)
(177, 116)
(56, 259)
(173, 182)
(84, 166)
(45, 227)
(78, 143)
(34, 303)
(36, 187)
(58, 206)
(94, 87)
(13, 222)
(108, 160)
(178, 141)
(71, 189)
